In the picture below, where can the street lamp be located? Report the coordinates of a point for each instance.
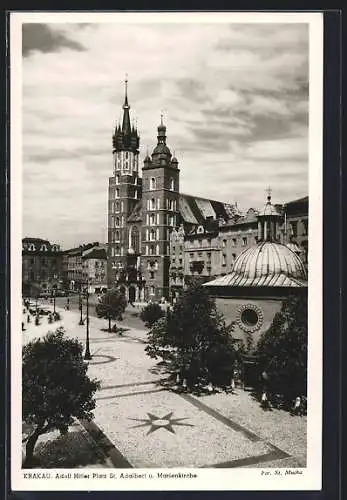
(81, 322)
(54, 302)
(87, 354)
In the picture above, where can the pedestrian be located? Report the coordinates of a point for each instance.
(232, 385)
(264, 401)
(297, 410)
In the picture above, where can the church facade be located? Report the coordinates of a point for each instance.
(158, 237)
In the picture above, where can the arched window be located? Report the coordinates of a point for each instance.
(135, 239)
(153, 204)
(116, 206)
(117, 222)
(151, 250)
(117, 236)
(152, 235)
(117, 179)
(152, 183)
(172, 185)
(32, 248)
(43, 248)
(117, 192)
(152, 220)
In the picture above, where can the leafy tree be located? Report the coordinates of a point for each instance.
(111, 306)
(283, 349)
(194, 340)
(56, 387)
(151, 313)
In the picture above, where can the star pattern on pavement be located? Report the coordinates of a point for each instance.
(155, 423)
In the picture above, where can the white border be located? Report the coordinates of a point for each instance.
(208, 479)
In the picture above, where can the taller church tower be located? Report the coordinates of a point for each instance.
(160, 197)
(124, 191)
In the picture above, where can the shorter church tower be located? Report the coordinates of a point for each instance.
(124, 193)
(160, 198)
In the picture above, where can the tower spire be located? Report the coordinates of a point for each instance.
(126, 127)
(126, 91)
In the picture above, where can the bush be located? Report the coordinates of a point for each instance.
(151, 313)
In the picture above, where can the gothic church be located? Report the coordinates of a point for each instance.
(144, 210)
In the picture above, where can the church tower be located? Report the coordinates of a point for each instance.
(123, 193)
(160, 197)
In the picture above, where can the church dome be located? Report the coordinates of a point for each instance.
(269, 264)
(161, 149)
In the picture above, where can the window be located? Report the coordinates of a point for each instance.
(158, 237)
(116, 193)
(116, 206)
(151, 250)
(172, 185)
(43, 248)
(151, 290)
(117, 222)
(158, 219)
(122, 206)
(117, 236)
(224, 243)
(156, 264)
(234, 256)
(158, 204)
(152, 184)
(244, 241)
(249, 317)
(117, 250)
(152, 235)
(224, 260)
(117, 179)
(151, 275)
(157, 250)
(170, 204)
(294, 229)
(152, 220)
(180, 261)
(209, 256)
(126, 155)
(234, 240)
(152, 204)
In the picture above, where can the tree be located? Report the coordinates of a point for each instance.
(283, 349)
(151, 313)
(56, 387)
(194, 340)
(111, 306)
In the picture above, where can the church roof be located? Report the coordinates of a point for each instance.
(268, 264)
(193, 210)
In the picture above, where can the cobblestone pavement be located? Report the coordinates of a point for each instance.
(139, 424)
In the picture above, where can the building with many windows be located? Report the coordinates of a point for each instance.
(159, 238)
(41, 266)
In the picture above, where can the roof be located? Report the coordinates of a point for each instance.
(268, 264)
(299, 200)
(194, 210)
(96, 253)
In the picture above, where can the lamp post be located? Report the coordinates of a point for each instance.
(54, 302)
(87, 354)
(81, 322)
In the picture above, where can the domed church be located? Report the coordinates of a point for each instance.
(261, 278)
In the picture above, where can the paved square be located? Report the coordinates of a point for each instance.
(138, 424)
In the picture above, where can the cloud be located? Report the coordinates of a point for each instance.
(234, 98)
(39, 37)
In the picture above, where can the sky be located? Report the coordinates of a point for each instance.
(234, 99)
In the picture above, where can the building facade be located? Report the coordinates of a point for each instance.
(74, 273)
(94, 269)
(159, 238)
(41, 267)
